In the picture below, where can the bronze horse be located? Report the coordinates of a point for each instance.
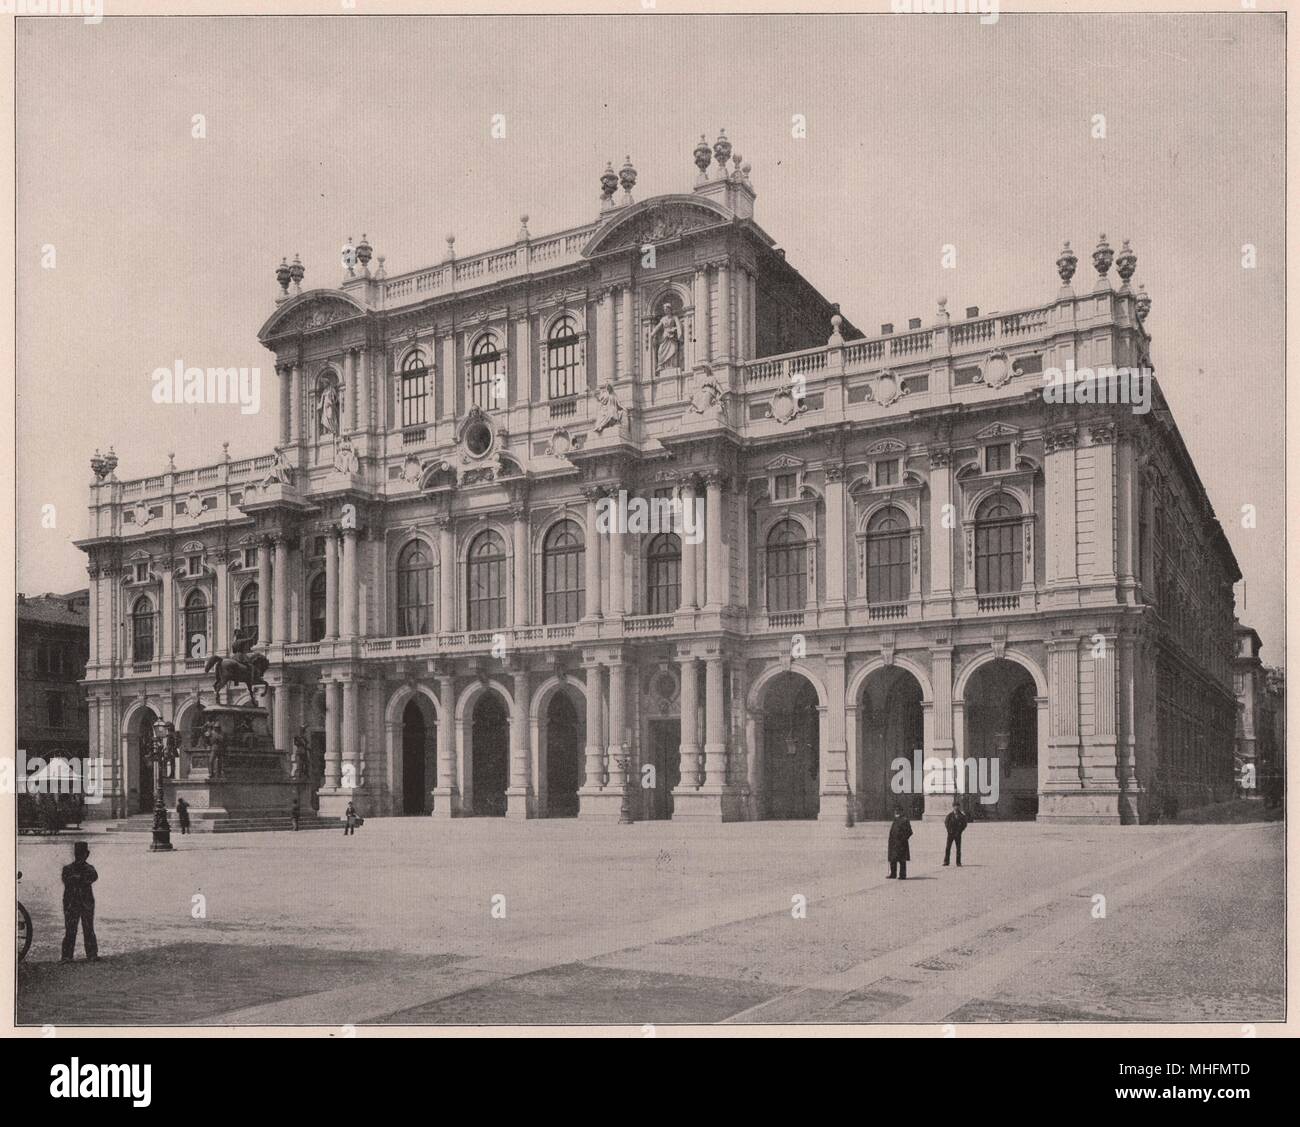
(234, 671)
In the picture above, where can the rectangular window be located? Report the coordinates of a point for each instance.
(142, 573)
(250, 557)
(887, 473)
(194, 565)
(783, 487)
(888, 579)
(997, 457)
(54, 710)
(414, 397)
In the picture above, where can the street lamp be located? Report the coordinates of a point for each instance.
(625, 807)
(162, 751)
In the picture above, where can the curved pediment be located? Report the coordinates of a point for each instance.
(308, 312)
(656, 221)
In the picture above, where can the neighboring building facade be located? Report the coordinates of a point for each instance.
(1261, 716)
(53, 641)
(905, 546)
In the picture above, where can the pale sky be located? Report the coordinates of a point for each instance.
(921, 131)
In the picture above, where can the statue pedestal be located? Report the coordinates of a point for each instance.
(237, 779)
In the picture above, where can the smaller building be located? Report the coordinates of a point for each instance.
(52, 645)
(1261, 714)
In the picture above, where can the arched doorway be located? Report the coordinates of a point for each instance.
(140, 742)
(564, 738)
(490, 741)
(419, 756)
(891, 724)
(791, 748)
(1002, 726)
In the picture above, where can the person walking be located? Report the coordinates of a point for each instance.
(79, 904)
(350, 820)
(183, 815)
(955, 823)
(899, 851)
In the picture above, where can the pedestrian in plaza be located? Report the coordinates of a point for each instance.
(899, 851)
(295, 812)
(183, 815)
(955, 823)
(79, 904)
(350, 820)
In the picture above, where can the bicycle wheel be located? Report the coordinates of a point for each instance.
(24, 931)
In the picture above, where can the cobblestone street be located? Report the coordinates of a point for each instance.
(481, 921)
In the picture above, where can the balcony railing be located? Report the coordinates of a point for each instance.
(989, 603)
(883, 612)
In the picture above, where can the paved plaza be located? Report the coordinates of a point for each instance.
(414, 921)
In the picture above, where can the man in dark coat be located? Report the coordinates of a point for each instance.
(183, 815)
(79, 904)
(350, 820)
(954, 823)
(899, 851)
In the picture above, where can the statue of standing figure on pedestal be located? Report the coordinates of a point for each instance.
(328, 408)
(667, 336)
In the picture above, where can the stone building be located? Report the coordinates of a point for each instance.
(53, 639)
(1261, 700)
(905, 544)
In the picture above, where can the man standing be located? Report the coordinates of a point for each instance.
(899, 851)
(350, 820)
(954, 823)
(79, 904)
(295, 813)
(183, 815)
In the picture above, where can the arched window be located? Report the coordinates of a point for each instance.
(889, 578)
(563, 560)
(562, 358)
(248, 610)
(316, 608)
(415, 386)
(415, 589)
(787, 567)
(664, 574)
(486, 586)
(142, 630)
(999, 558)
(196, 625)
(485, 379)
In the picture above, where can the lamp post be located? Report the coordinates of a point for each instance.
(162, 751)
(625, 807)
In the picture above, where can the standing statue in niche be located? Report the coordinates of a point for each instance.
(667, 338)
(328, 408)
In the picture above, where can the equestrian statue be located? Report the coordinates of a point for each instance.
(242, 667)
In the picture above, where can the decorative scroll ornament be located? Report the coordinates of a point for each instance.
(193, 506)
(707, 396)
(142, 514)
(996, 368)
(560, 444)
(784, 406)
(889, 388)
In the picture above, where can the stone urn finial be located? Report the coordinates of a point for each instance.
(703, 154)
(608, 186)
(627, 177)
(1125, 263)
(836, 337)
(722, 151)
(1143, 303)
(1066, 263)
(1102, 257)
(297, 273)
(364, 252)
(524, 236)
(282, 275)
(451, 245)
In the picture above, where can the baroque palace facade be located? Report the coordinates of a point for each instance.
(905, 546)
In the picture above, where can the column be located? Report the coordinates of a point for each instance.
(285, 377)
(333, 760)
(295, 405)
(351, 774)
(713, 539)
(519, 515)
(445, 794)
(264, 594)
(450, 376)
(220, 595)
(363, 388)
(523, 360)
(332, 584)
(631, 342)
(617, 677)
(446, 576)
(1061, 487)
(280, 577)
(616, 559)
(592, 555)
(1064, 769)
(605, 350)
(280, 716)
(519, 795)
(348, 591)
(941, 515)
(690, 712)
(742, 322)
(689, 598)
(836, 555)
(703, 351)
(595, 751)
(167, 620)
(836, 795)
(715, 725)
(724, 312)
(349, 393)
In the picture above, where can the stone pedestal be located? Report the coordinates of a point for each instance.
(709, 804)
